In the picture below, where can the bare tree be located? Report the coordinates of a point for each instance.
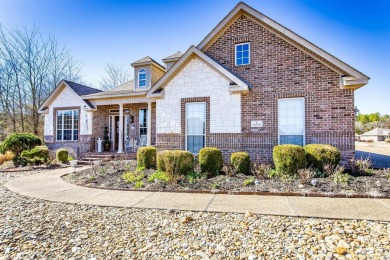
(115, 76)
(30, 67)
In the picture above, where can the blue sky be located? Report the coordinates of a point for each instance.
(120, 32)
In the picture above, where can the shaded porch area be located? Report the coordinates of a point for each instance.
(129, 125)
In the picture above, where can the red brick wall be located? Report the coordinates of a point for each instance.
(280, 70)
(100, 119)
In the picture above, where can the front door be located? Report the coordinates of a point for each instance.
(114, 130)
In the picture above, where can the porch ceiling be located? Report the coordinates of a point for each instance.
(120, 100)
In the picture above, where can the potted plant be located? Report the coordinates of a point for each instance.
(106, 140)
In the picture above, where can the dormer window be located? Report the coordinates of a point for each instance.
(243, 54)
(142, 78)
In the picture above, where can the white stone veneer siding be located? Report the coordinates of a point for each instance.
(68, 98)
(198, 79)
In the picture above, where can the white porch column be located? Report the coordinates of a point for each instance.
(120, 129)
(149, 118)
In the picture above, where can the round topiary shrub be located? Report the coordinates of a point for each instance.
(288, 159)
(146, 157)
(241, 162)
(319, 155)
(62, 155)
(37, 155)
(18, 142)
(161, 160)
(178, 163)
(210, 160)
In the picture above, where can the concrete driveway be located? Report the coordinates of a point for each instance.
(378, 152)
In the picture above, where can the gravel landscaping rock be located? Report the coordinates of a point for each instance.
(32, 228)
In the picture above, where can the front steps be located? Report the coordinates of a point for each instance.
(89, 158)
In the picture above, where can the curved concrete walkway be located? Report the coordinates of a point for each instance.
(50, 186)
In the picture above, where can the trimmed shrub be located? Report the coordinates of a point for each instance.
(177, 164)
(288, 159)
(161, 160)
(37, 155)
(18, 142)
(146, 157)
(319, 155)
(241, 162)
(210, 160)
(62, 155)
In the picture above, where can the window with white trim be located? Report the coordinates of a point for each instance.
(143, 121)
(195, 126)
(291, 121)
(67, 125)
(142, 78)
(243, 54)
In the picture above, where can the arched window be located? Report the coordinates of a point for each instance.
(142, 78)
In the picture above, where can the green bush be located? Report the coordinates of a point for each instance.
(161, 160)
(319, 155)
(37, 155)
(18, 142)
(132, 177)
(241, 162)
(62, 155)
(2, 150)
(177, 164)
(146, 157)
(210, 160)
(139, 184)
(248, 182)
(288, 159)
(158, 175)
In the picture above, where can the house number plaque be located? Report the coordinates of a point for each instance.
(257, 123)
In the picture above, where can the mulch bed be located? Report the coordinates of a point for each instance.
(109, 176)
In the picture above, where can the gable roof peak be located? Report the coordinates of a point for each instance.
(147, 61)
(239, 85)
(350, 78)
(81, 89)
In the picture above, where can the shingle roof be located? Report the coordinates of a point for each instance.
(146, 60)
(81, 89)
(143, 60)
(174, 56)
(377, 131)
(126, 88)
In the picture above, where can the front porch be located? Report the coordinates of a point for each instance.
(130, 125)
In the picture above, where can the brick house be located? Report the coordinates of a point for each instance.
(249, 85)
